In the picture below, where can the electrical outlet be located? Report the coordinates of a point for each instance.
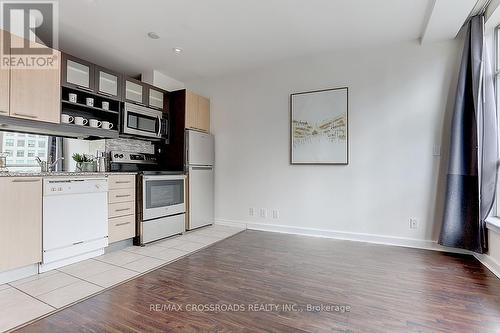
(276, 214)
(413, 223)
(251, 211)
(263, 213)
(436, 150)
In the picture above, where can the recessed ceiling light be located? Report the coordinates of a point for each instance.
(177, 50)
(153, 35)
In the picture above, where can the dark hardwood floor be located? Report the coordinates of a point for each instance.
(388, 289)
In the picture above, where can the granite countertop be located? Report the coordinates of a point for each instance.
(62, 174)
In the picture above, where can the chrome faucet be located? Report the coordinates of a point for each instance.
(49, 165)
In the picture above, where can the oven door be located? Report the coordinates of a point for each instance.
(162, 196)
(142, 121)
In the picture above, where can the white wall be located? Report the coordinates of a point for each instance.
(161, 80)
(398, 98)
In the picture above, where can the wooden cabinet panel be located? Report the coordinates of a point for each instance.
(121, 209)
(4, 79)
(21, 222)
(122, 195)
(121, 228)
(197, 112)
(116, 182)
(36, 93)
(191, 110)
(204, 114)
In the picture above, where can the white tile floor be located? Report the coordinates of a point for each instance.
(35, 296)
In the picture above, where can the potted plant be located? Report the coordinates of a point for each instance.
(84, 163)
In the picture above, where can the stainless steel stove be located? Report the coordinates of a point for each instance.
(161, 208)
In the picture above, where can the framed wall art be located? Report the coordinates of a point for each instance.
(319, 127)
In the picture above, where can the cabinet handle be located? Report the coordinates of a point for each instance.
(25, 115)
(83, 88)
(105, 94)
(120, 224)
(123, 196)
(26, 180)
(122, 209)
(122, 182)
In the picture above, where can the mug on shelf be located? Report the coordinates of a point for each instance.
(81, 121)
(105, 105)
(89, 101)
(72, 97)
(67, 119)
(95, 123)
(107, 125)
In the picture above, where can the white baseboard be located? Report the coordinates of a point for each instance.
(489, 262)
(486, 260)
(342, 235)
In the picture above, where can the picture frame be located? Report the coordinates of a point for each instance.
(319, 127)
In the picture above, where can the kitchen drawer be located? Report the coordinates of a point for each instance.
(121, 209)
(121, 228)
(116, 182)
(121, 195)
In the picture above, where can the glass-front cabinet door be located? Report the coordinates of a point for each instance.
(77, 73)
(107, 83)
(156, 98)
(134, 92)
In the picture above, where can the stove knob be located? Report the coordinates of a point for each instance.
(121, 155)
(116, 156)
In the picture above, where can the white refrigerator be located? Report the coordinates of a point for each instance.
(200, 157)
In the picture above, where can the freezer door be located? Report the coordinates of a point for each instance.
(200, 148)
(201, 196)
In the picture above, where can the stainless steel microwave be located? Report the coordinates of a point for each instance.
(145, 122)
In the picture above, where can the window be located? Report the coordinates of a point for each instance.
(19, 158)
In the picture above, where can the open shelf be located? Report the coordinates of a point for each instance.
(84, 106)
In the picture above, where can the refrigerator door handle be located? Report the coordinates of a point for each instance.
(208, 167)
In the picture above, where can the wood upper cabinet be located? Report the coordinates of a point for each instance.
(107, 83)
(4, 78)
(156, 98)
(83, 75)
(197, 112)
(21, 222)
(35, 93)
(77, 73)
(135, 91)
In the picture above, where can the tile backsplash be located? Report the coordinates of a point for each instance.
(130, 145)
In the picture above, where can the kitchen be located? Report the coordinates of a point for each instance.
(93, 162)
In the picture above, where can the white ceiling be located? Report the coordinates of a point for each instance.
(223, 36)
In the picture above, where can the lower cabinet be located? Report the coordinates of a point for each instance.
(20, 222)
(121, 209)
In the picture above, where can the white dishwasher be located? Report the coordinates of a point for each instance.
(75, 220)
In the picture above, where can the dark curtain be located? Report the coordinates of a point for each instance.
(472, 172)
